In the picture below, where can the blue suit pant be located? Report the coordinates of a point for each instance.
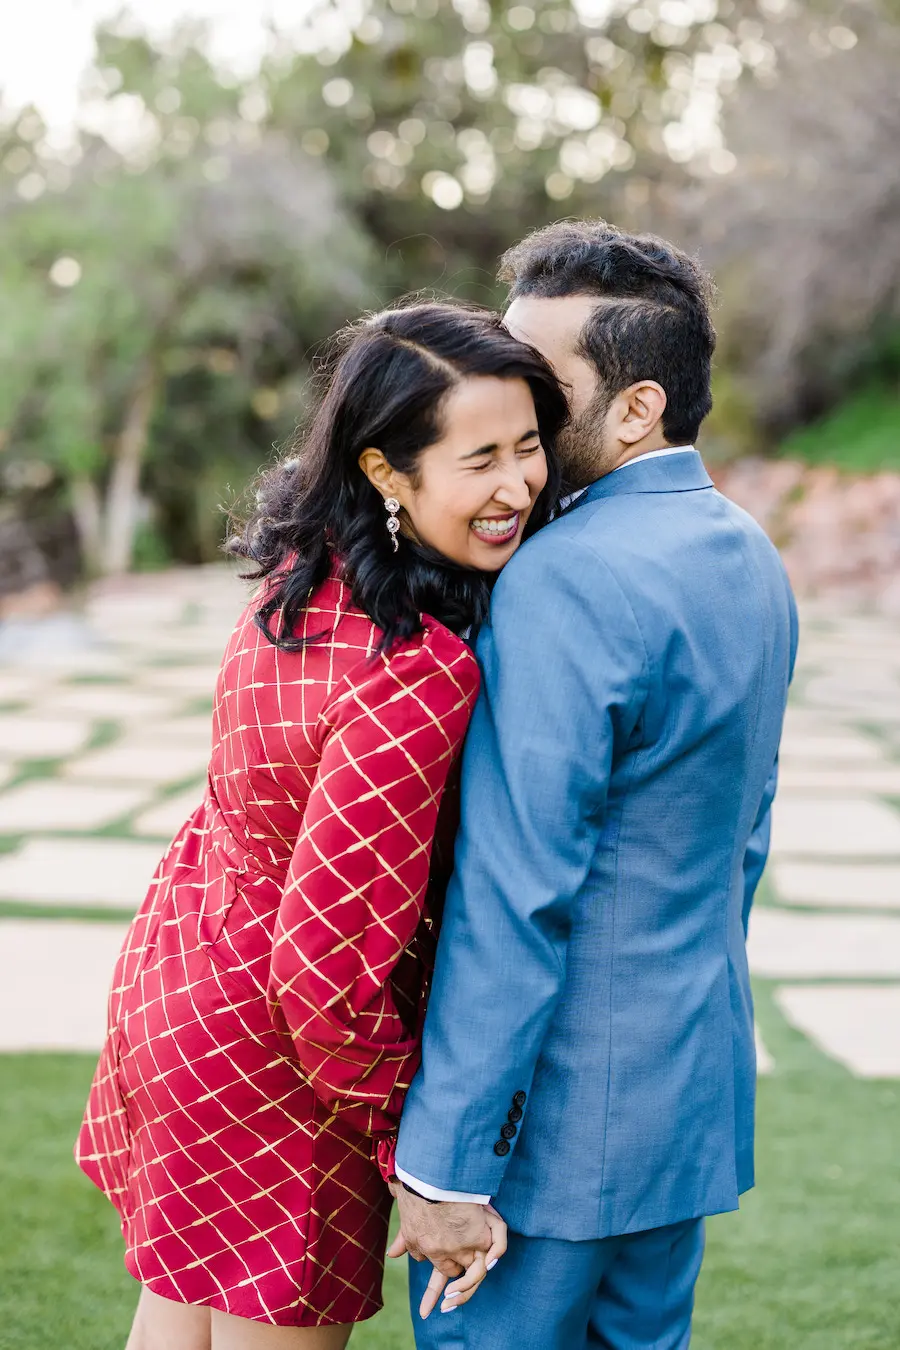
(634, 1292)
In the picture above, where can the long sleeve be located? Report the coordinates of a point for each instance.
(356, 886)
(757, 853)
(560, 690)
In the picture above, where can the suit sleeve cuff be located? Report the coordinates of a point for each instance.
(435, 1193)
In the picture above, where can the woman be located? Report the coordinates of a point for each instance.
(265, 1013)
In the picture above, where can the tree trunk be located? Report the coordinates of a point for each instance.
(88, 514)
(122, 497)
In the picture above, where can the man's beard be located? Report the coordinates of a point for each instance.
(584, 454)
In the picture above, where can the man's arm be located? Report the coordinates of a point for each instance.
(757, 853)
(563, 682)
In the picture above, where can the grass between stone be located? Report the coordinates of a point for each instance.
(810, 1263)
(37, 910)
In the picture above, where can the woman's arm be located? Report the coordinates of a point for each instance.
(357, 881)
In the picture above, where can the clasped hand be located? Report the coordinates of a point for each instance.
(460, 1240)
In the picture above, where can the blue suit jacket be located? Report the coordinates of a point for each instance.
(589, 1055)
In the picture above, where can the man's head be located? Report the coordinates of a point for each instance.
(624, 319)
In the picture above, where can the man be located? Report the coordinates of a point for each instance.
(588, 1058)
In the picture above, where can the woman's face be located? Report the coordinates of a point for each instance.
(477, 485)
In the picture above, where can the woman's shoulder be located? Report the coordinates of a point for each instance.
(433, 672)
(433, 647)
(329, 617)
(436, 648)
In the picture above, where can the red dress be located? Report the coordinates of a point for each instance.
(265, 1011)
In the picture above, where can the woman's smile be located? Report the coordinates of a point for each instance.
(496, 529)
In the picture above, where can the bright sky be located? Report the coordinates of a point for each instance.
(46, 44)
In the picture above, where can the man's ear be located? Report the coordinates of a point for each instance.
(378, 471)
(645, 405)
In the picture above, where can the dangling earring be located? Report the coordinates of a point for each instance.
(392, 506)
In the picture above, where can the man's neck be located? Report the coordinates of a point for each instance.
(645, 447)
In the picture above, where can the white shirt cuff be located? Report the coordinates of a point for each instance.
(435, 1193)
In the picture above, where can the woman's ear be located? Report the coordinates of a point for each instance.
(378, 471)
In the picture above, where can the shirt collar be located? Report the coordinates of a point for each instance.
(656, 454)
(677, 470)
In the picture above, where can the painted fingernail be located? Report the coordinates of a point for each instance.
(454, 1307)
(491, 1264)
(452, 1293)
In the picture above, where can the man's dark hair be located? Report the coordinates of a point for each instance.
(654, 323)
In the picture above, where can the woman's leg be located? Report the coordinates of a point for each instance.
(238, 1333)
(160, 1324)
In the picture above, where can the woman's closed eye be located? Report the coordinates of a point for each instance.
(522, 451)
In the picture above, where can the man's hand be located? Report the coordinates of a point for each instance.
(458, 1239)
(448, 1235)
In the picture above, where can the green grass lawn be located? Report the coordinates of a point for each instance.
(812, 1262)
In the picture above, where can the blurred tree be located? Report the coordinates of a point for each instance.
(455, 126)
(804, 233)
(165, 272)
(174, 250)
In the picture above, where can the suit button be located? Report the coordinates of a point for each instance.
(515, 1115)
(520, 1099)
(501, 1148)
(508, 1131)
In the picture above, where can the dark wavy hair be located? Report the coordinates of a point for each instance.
(386, 381)
(654, 322)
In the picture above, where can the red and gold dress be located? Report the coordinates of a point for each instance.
(265, 1011)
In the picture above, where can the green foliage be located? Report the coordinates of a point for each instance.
(861, 435)
(167, 277)
(732, 428)
(150, 551)
(151, 263)
(455, 127)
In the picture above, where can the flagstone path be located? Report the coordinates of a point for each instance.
(104, 740)
(104, 733)
(826, 929)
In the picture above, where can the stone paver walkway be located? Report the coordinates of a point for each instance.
(104, 740)
(854, 1023)
(54, 977)
(103, 744)
(828, 915)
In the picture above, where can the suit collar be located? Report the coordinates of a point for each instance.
(666, 473)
